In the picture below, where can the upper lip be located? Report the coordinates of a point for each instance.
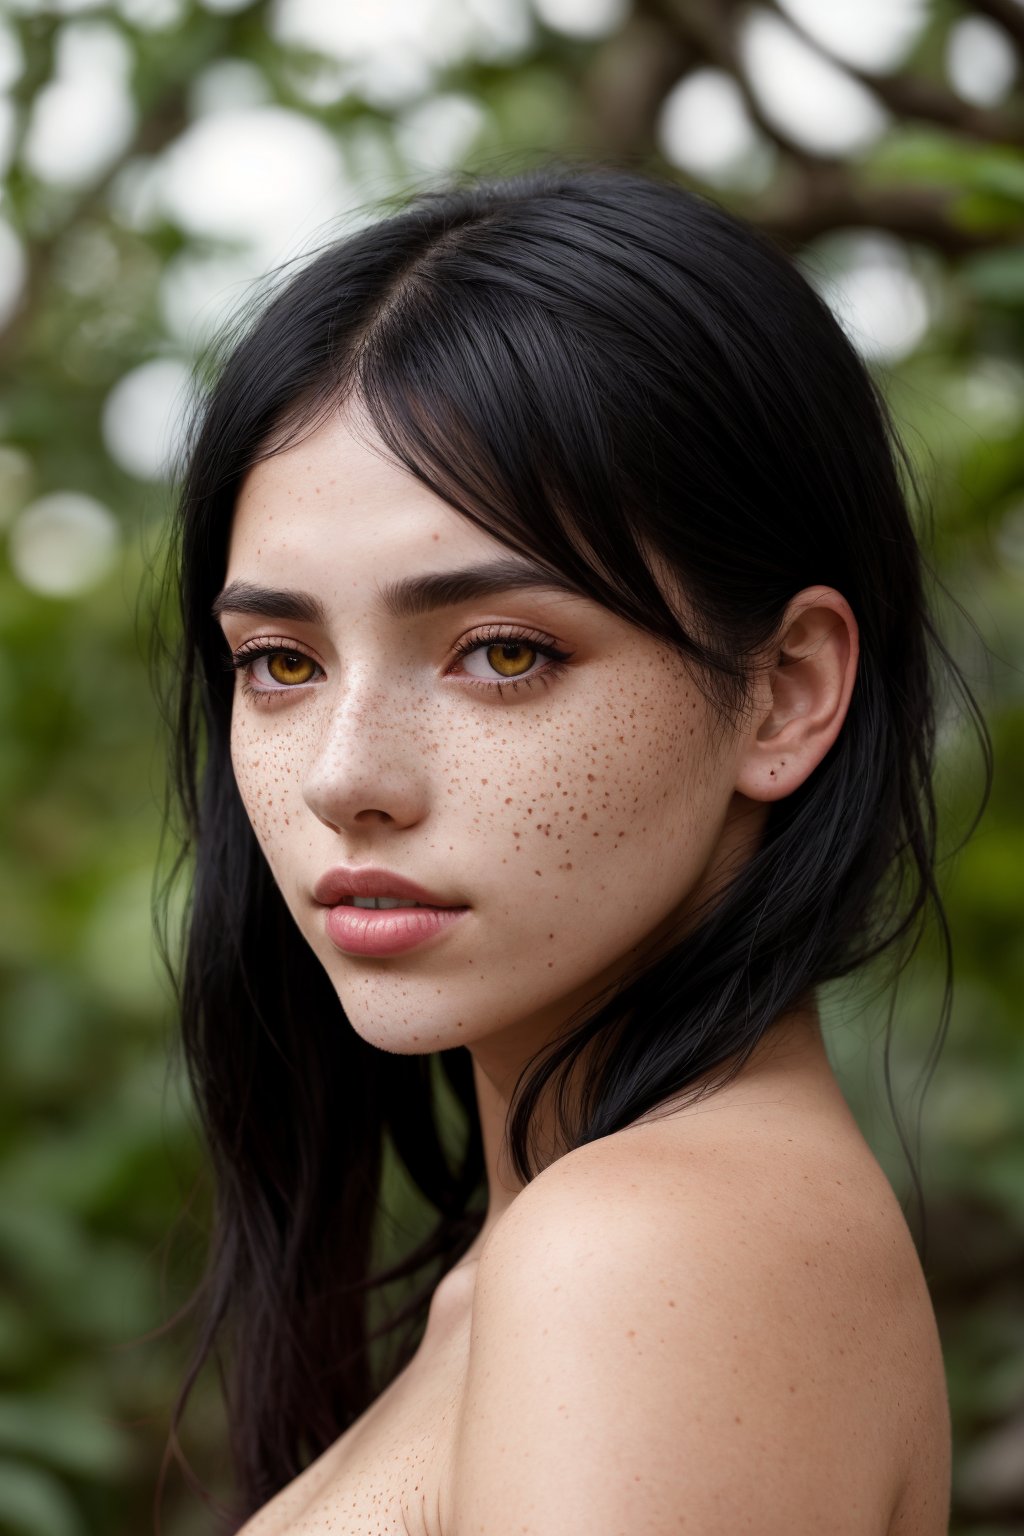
(340, 882)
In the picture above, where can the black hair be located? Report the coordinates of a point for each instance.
(609, 374)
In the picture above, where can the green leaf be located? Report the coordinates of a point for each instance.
(63, 1435)
(997, 275)
(33, 1503)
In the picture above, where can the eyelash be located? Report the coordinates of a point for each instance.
(243, 660)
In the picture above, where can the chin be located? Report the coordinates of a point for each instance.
(383, 1011)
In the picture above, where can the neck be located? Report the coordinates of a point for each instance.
(790, 1056)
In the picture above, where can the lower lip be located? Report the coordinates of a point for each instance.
(388, 931)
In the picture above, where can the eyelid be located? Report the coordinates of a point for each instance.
(273, 643)
(244, 656)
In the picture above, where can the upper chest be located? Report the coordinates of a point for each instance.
(388, 1474)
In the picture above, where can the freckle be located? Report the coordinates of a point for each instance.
(671, 1303)
(738, 1419)
(508, 799)
(550, 935)
(483, 781)
(583, 817)
(536, 871)
(630, 1333)
(590, 778)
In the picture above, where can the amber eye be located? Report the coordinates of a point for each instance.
(289, 667)
(511, 658)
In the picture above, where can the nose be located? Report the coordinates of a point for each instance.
(368, 767)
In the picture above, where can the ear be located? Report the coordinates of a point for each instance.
(801, 701)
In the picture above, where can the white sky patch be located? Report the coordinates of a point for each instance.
(704, 128)
(142, 417)
(12, 271)
(980, 61)
(392, 49)
(869, 34)
(582, 18)
(63, 544)
(869, 283)
(8, 131)
(12, 60)
(85, 115)
(135, 197)
(503, 28)
(200, 292)
(256, 174)
(52, 7)
(438, 134)
(152, 15)
(809, 98)
(229, 85)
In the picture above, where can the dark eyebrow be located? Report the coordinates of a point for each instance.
(407, 598)
(269, 603)
(416, 595)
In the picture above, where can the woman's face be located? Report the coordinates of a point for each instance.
(558, 778)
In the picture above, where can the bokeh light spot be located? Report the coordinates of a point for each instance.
(806, 96)
(870, 285)
(63, 544)
(980, 61)
(142, 416)
(704, 128)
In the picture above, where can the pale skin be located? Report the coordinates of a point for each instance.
(582, 815)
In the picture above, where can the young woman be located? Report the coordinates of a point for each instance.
(555, 718)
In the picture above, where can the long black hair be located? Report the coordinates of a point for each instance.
(609, 374)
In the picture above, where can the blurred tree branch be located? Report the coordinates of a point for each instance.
(163, 115)
(1009, 16)
(911, 96)
(818, 191)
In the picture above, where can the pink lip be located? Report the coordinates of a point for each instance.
(363, 931)
(340, 882)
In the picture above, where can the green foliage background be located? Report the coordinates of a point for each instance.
(101, 1195)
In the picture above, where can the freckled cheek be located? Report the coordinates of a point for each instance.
(266, 773)
(558, 800)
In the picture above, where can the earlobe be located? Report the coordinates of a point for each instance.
(804, 696)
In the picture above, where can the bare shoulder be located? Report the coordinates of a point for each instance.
(668, 1324)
